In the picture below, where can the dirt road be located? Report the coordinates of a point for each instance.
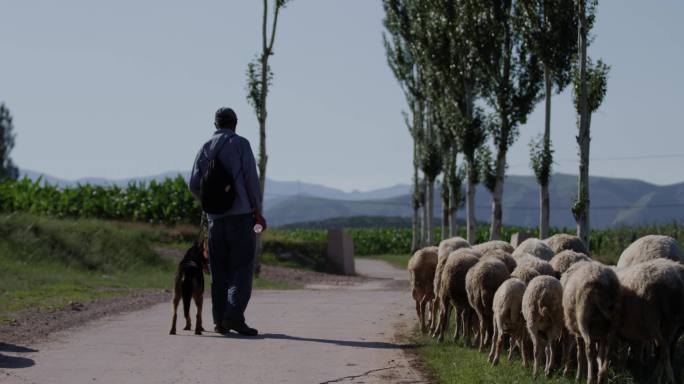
(322, 334)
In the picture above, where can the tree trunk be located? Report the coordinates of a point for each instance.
(581, 210)
(470, 201)
(497, 195)
(430, 210)
(453, 211)
(544, 211)
(415, 227)
(425, 223)
(263, 157)
(415, 223)
(445, 219)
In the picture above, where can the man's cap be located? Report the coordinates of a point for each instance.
(225, 116)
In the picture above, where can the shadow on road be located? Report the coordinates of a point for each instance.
(344, 343)
(4, 347)
(15, 361)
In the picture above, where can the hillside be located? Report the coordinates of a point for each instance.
(615, 202)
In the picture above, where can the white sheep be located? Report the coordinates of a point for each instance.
(502, 256)
(562, 241)
(421, 267)
(543, 312)
(539, 265)
(524, 273)
(653, 309)
(648, 248)
(453, 293)
(534, 247)
(494, 244)
(565, 259)
(482, 281)
(591, 306)
(508, 318)
(446, 246)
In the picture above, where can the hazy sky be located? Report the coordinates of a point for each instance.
(128, 88)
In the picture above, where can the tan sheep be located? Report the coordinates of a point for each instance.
(482, 281)
(453, 293)
(508, 318)
(539, 265)
(591, 306)
(648, 248)
(534, 247)
(524, 273)
(421, 267)
(446, 246)
(494, 244)
(565, 259)
(653, 309)
(501, 255)
(543, 312)
(562, 241)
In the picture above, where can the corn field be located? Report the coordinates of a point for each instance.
(167, 202)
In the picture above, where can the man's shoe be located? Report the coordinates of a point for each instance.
(241, 328)
(221, 330)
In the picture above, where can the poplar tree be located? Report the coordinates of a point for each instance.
(550, 29)
(7, 168)
(259, 80)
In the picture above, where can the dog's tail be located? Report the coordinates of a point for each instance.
(186, 294)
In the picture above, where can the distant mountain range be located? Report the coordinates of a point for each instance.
(614, 202)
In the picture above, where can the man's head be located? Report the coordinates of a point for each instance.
(225, 118)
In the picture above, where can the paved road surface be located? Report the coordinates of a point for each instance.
(317, 335)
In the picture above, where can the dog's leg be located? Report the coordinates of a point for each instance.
(176, 300)
(198, 323)
(187, 298)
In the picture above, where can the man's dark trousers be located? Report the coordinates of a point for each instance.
(231, 253)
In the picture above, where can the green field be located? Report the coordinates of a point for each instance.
(47, 263)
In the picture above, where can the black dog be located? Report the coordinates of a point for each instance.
(189, 284)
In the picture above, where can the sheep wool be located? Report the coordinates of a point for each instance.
(543, 312)
(422, 266)
(650, 247)
(534, 247)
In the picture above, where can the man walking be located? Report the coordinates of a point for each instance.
(231, 234)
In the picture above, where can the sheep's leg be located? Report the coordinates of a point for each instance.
(433, 317)
(512, 342)
(420, 316)
(604, 347)
(568, 347)
(550, 355)
(579, 342)
(497, 342)
(458, 325)
(492, 350)
(592, 353)
(537, 351)
(444, 320)
(483, 326)
(424, 302)
(525, 347)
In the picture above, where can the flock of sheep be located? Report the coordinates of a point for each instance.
(552, 302)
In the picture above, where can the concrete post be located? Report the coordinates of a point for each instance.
(341, 252)
(519, 237)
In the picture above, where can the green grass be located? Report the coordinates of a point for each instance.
(451, 362)
(46, 262)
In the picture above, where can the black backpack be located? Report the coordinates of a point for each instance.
(217, 186)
